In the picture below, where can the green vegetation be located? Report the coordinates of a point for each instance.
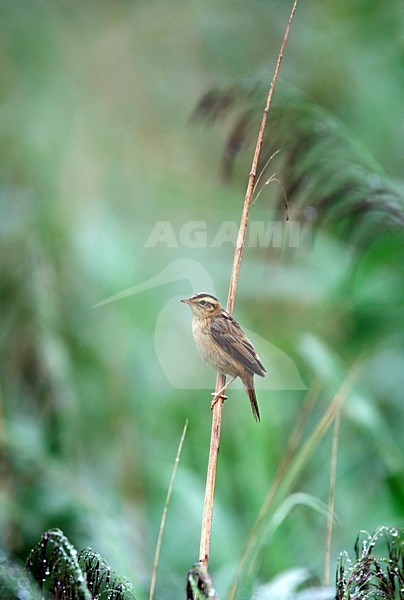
(98, 145)
(373, 575)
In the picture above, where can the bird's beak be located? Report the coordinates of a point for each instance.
(186, 301)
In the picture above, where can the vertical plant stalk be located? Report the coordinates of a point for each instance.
(206, 530)
(164, 515)
(331, 501)
(292, 466)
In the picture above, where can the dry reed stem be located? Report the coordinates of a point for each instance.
(164, 515)
(206, 530)
(331, 500)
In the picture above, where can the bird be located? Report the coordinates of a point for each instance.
(224, 346)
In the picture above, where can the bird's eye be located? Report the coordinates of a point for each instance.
(202, 302)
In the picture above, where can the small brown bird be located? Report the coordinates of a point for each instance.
(223, 345)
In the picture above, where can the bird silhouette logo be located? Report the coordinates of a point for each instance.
(173, 342)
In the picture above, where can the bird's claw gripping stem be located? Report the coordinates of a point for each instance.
(217, 397)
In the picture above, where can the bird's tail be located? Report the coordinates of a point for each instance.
(249, 387)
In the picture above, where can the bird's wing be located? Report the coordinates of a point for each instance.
(228, 334)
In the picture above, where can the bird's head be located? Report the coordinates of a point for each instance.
(203, 305)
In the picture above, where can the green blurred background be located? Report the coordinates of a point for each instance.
(96, 148)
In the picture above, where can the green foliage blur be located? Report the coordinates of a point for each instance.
(105, 186)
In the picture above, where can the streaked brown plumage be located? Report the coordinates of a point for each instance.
(224, 346)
